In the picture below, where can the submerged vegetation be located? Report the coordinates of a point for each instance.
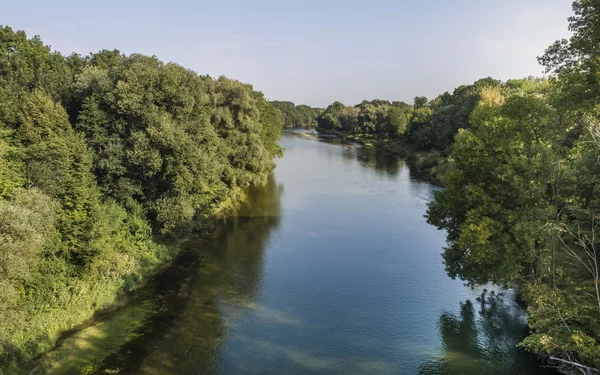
(103, 160)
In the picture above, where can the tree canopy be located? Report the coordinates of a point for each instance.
(103, 158)
(518, 162)
(297, 116)
(520, 199)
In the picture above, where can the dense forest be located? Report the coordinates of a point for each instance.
(297, 116)
(520, 167)
(105, 159)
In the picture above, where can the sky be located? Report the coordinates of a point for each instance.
(313, 52)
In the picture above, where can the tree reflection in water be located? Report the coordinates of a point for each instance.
(176, 324)
(482, 341)
(228, 282)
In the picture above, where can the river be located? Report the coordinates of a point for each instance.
(329, 269)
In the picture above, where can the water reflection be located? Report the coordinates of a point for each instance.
(483, 338)
(338, 274)
(228, 281)
(176, 323)
(383, 162)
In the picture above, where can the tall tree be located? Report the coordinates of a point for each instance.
(495, 201)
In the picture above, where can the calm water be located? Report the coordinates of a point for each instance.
(329, 269)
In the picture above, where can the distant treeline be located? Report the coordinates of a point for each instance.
(425, 124)
(521, 178)
(103, 159)
(297, 116)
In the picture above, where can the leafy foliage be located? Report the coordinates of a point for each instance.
(495, 202)
(378, 117)
(102, 158)
(297, 116)
(521, 198)
(521, 180)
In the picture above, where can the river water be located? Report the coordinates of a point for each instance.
(329, 269)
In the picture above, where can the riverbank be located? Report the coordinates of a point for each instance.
(428, 165)
(142, 314)
(287, 284)
(101, 292)
(85, 348)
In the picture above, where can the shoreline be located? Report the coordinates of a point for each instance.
(427, 165)
(125, 294)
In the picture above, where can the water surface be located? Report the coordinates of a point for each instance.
(329, 269)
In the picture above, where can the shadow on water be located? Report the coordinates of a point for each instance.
(482, 338)
(231, 305)
(180, 311)
(382, 162)
(385, 163)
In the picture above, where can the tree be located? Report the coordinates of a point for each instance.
(329, 119)
(419, 128)
(58, 162)
(100, 155)
(26, 223)
(495, 199)
(397, 118)
(582, 48)
(348, 119)
(301, 116)
(420, 102)
(576, 61)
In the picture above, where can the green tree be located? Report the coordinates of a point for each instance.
(297, 116)
(329, 119)
(348, 119)
(420, 102)
(495, 201)
(397, 120)
(59, 162)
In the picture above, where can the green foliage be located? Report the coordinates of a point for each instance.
(495, 199)
(25, 223)
(12, 174)
(378, 117)
(271, 125)
(563, 323)
(297, 116)
(58, 162)
(98, 156)
(420, 102)
(434, 127)
(521, 203)
(397, 121)
(329, 119)
(581, 50)
(26, 64)
(419, 128)
(171, 140)
(371, 116)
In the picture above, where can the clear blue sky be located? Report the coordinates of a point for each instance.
(313, 52)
